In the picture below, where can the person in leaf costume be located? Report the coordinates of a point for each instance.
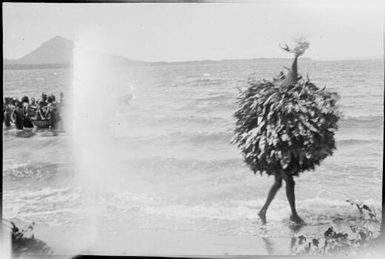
(284, 127)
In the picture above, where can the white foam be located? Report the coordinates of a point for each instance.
(316, 210)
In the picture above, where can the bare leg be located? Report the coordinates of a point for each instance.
(273, 190)
(291, 198)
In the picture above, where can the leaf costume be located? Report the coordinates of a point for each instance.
(287, 124)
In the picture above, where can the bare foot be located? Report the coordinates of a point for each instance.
(296, 219)
(262, 216)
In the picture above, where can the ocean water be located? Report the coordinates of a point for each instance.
(170, 164)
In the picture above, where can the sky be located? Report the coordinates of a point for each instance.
(344, 29)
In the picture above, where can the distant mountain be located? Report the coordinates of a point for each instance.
(58, 52)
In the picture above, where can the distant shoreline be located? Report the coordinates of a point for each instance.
(34, 66)
(170, 63)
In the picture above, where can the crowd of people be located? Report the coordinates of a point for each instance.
(28, 113)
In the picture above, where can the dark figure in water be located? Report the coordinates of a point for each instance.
(33, 103)
(27, 123)
(32, 107)
(39, 114)
(17, 115)
(7, 112)
(51, 111)
(44, 99)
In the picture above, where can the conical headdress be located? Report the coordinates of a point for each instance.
(292, 76)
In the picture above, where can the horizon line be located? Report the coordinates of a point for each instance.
(208, 60)
(215, 60)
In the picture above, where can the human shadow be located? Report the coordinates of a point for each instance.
(269, 244)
